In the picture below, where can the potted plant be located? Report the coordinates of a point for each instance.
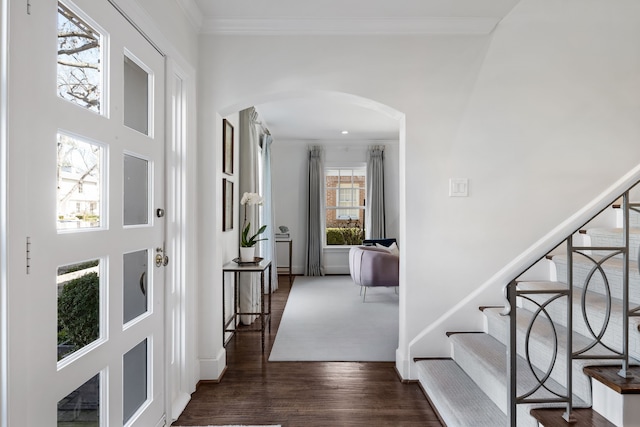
(248, 243)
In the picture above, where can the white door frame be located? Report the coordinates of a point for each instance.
(4, 36)
(178, 323)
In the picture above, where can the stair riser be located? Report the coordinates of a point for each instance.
(613, 333)
(634, 219)
(601, 237)
(539, 353)
(439, 393)
(596, 284)
(456, 398)
(492, 386)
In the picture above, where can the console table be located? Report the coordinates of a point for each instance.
(264, 314)
(288, 266)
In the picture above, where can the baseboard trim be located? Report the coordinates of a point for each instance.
(213, 369)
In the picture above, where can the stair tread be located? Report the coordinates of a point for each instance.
(457, 398)
(586, 417)
(492, 355)
(615, 230)
(608, 375)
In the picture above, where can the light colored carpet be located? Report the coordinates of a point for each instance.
(326, 320)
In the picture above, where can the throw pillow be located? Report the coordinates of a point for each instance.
(393, 249)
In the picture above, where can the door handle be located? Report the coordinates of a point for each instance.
(161, 258)
(143, 283)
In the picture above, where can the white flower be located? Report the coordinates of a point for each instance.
(251, 199)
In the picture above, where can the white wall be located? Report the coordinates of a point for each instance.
(172, 31)
(541, 117)
(290, 178)
(551, 123)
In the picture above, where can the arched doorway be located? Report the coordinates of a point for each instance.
(284, 115)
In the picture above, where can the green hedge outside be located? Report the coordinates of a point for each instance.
(344, 236)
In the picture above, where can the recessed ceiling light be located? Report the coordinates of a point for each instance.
(344, 132)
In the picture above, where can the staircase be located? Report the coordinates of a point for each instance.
(482, 385)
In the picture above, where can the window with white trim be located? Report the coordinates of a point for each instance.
(345, 189)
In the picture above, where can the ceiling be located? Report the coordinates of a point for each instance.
(324, 118)
(353, 8)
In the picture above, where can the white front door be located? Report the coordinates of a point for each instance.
(86, 242)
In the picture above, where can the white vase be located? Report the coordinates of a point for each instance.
(247, 254)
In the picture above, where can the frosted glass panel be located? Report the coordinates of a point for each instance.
(136, 190)
(81, 407)
(134, 380)
(78, 289)
(135, 284)
(136, 97)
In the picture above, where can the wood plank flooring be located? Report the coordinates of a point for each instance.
(309, 394)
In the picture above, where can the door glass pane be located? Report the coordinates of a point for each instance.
(135, 284)
(134, 380)
(79, 175)
(136, 190)
(81, 407)
(78, 306)
(79, 61)
(136, 96)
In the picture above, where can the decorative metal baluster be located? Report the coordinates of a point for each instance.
(512, 293)
(624, 372)
(512, 356)
(568, 415)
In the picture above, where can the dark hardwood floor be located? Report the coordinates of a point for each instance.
(309, 394)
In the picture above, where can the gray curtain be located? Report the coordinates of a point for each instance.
(315, 214)
(268, 211)
(375, 220)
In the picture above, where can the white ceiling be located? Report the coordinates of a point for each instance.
(323, 118)
(353, 8)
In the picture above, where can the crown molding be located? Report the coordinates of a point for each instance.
(193, 13)
(350, 26)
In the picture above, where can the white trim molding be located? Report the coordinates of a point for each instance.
(192, 12)
(212, 369)
(350, 26)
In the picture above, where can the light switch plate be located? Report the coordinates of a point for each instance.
(458, 187)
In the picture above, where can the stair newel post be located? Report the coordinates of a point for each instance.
(512, 356)
(568, 415)
(624, 372)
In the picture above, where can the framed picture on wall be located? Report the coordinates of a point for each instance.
(227, 205)
(227, 147)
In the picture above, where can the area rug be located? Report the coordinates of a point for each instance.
(326, 320)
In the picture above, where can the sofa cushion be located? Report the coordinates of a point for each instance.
(372, 266)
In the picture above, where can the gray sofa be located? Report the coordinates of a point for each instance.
(373, 266)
